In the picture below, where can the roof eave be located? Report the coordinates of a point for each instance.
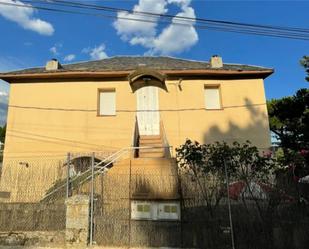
(116, 74)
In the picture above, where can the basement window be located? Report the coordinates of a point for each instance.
(107, 102)
(154, 210)
(212, 97)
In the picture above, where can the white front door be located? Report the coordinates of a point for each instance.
(148, 111)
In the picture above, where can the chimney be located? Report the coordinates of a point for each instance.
(216, 61)
(53, 64)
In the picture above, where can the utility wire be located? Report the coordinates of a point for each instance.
(216, 24)
(100, 7)
(128, 110)
(299, 34)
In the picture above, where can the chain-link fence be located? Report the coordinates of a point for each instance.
(260, 219)
(240, 215)
(26, 218)
(147, 202)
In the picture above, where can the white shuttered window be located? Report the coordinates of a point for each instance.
(107, 103)
(212, 98)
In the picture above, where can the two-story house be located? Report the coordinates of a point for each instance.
(124, 102)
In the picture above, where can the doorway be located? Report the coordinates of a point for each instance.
(148, 116)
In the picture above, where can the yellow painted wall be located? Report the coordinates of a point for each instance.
(47, 120)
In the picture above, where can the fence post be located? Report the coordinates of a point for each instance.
(91, 200)
(68, 175)
(130, 209)
(229, 205)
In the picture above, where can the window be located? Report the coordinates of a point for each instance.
(153, 210)
(107, 102)
(212, 97)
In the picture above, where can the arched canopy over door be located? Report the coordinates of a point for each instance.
(144, 76)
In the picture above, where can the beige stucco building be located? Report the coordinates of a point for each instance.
(120, 102)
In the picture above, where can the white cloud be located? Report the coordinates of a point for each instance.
(24, 17)
(96, 53)
(69, 57)
(172, 39)
(55, 49)
(170, 42)
(180, 3)
(3, 94)
(127, 28)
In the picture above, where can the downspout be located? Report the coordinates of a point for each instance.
(178, 86)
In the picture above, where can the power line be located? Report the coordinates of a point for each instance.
(134, 12)
(80, 142)
(272, 31)
(203, 20)
(38, 139)
(275, 31)
(128, 110)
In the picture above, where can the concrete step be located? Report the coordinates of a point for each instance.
(150, 142)
(152, 147)
(149, 137)
(159, 149)
(157, 154)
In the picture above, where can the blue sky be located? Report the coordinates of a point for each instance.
(33, 37)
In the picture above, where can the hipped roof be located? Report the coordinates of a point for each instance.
(122, 66)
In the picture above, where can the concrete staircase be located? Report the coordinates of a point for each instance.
(151, 141)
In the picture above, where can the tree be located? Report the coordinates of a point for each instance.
(289, 121)
(205, 163)
(2, 133)
(305, 62)
(2, 136)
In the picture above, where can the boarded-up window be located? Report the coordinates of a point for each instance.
(212, 97)
(107, 102)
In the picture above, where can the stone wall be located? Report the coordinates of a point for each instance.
(32, 217)
(45, 224)
(77, 220)
(32, 238)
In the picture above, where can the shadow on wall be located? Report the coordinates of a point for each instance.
(113, 223)
(256, 130)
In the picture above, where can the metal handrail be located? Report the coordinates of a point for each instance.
(117, 155)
